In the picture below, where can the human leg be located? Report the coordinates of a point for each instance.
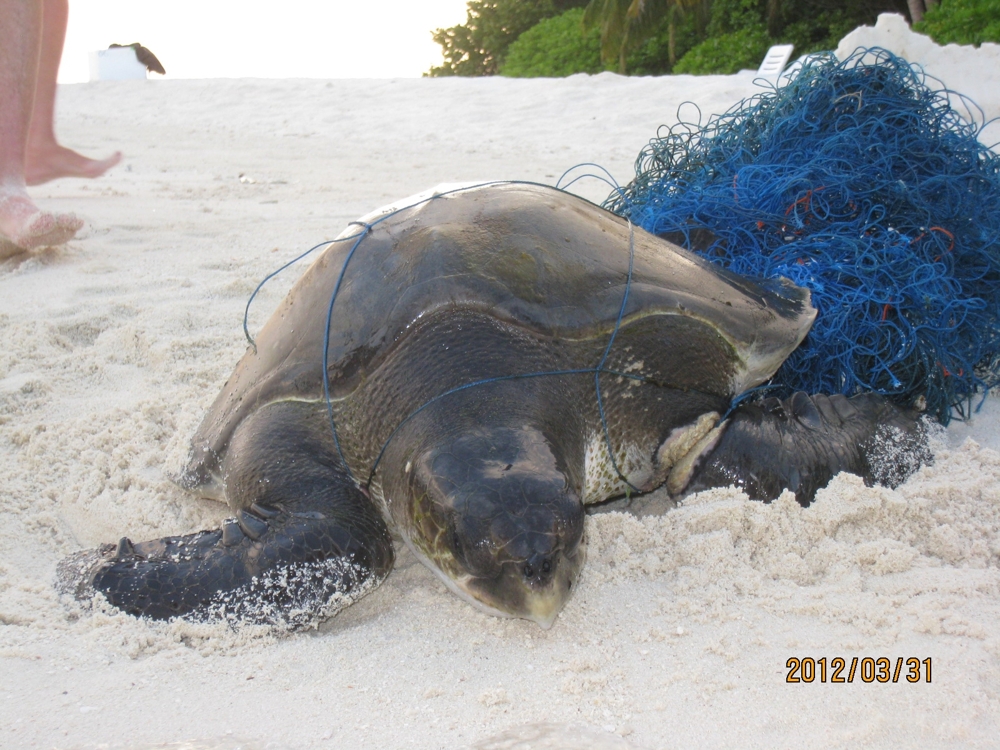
(45, 158)
(21, 221)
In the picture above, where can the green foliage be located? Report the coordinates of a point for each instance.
(610, 17)
(962, 22)
(740, 31)
(555, 47)
(662, 36)
(478, 47)
(653, 57)
(628, 25)
(818, 32)
(734, 15)
(728, 53)
(561, 46)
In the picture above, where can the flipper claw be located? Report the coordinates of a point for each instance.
(805, 411)
(232, 534)
(264, 511)
(845, 409)
(125, 549)
(252, 526)
(827, 411)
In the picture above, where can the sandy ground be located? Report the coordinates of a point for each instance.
(678, 636)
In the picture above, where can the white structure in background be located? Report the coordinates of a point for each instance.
(117, 64)
(973, 71)
(774, 62)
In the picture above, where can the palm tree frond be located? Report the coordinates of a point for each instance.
(626, 24)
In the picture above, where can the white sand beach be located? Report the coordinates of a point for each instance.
(115, 345)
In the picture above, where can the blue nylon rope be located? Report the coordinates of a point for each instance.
(860, 182)
(607, 351)
(326, 340)
(606, 177)
(293, 261)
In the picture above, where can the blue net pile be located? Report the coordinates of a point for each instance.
(860, 182)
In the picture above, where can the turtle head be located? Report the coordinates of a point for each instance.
(496, 517)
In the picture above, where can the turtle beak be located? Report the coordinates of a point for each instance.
(544, 616)
(535, 589)
(542, 607)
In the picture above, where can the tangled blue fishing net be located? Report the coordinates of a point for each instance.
(860, 182)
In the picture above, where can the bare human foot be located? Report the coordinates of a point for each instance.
(53, 161)
(26, 226)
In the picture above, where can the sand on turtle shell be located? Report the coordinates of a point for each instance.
(679, 634)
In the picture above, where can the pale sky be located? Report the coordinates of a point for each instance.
(251, 38)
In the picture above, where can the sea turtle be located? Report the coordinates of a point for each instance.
(498, 357)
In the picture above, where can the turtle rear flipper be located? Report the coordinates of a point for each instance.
(304, 542)
(802, 442)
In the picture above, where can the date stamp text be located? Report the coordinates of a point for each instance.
(866, 669)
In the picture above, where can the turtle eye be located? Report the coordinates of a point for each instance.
(469, 549)
(455, 539)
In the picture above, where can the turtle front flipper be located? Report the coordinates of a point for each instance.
(802, 442)
(304, 542)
